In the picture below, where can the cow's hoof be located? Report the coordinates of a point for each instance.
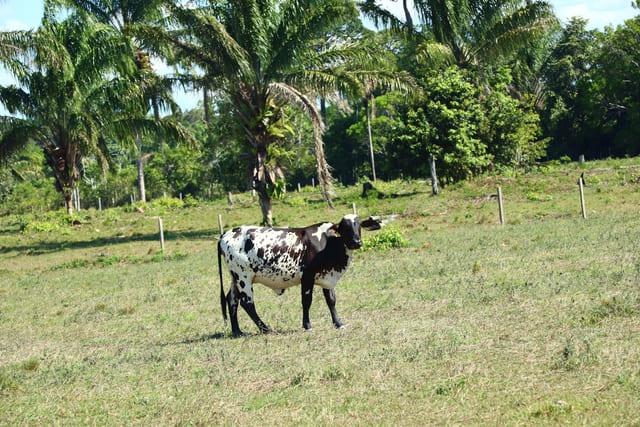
(341, 326)
(266, 331)
(309, 329)
(238, 334)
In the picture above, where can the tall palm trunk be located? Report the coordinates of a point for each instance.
(407, 15)
(207, 107)
(141, 185)
(260, 183)
(68, 201)
(369, 112)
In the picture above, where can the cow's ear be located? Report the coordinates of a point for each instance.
(371, 224)
(332, 231)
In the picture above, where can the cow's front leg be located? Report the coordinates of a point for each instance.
(246, 301)
(307, 297)
(330, 298)
(232, 301)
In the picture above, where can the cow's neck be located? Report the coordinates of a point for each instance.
(336, 256)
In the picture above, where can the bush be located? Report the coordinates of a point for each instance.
(190, 201)
(31, 197)
(296, 201)
(387, 238)
(565, 159)
(50, 221)
(167, 203)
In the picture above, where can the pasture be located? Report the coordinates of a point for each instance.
(534, 322)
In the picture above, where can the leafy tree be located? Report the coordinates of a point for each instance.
(446, 121)
(617, 77)
(512, 133)
(571, 94)
(123, 16)
(64, 101)
(266, 55)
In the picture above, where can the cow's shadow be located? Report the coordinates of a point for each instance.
(204, 338)
(228, 336)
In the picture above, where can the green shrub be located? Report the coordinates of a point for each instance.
(50, 221)
(295, 201)
(190, 201)
(41, 227)
(31, 197)
(167, 203)
(387, 238)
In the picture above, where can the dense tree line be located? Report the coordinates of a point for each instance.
(300, 89)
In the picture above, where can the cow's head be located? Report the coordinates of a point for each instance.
(349, 229)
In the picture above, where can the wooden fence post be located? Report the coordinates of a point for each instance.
(161, 228)
(131, 195)
(99, 204)
(435, 190)
(220, 224)
(353, 206)
(582, 206)
(230, 198)
(581, 159)
(180, 196)
(299, 187)
(313, 182)
(500, 206)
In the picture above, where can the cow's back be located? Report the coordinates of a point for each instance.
(270, 256)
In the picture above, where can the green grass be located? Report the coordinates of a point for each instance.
(534, 322)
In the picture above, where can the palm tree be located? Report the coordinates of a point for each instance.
(264, 55)
(472, 32)
(71, 99)
(123, 15)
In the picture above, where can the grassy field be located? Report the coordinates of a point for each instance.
(534, 322)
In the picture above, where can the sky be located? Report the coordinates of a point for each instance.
(26, 14)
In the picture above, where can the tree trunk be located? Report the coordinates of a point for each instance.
(141, 186)
(323, 108)
(407, 15)
(206, 105)
(68, 202)
(265, 205)
(373, 162)
(260, 183)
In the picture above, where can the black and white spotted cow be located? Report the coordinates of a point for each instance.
(284, 257)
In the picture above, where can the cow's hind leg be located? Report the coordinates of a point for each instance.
(330, 298)
(232, 301)
(245, 289)
(307, 298)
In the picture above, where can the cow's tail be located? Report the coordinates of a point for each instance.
(223, 299)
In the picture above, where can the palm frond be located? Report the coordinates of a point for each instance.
(435, 54)
(15, 133)
(102, 10)
(16, 100)
(289, 94)
(382, 18)
(229, 55)
(514, 31)
(301, 22)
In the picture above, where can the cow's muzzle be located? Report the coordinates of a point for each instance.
(355, 245)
